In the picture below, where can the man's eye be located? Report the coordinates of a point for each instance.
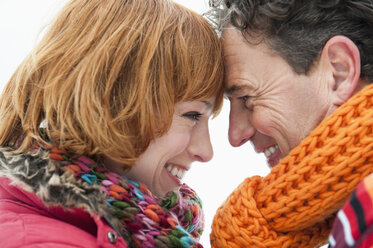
(247, 102)
(195, 116)
(244, 99)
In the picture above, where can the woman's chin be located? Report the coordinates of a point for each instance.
(167, 183)
(162, 191)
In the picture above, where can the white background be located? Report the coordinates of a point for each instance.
(21, 23)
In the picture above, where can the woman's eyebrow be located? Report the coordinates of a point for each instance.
(208, 104)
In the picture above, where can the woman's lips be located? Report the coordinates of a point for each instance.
(176, 172)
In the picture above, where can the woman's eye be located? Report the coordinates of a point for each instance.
(195, 116)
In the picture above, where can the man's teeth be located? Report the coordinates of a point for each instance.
(176, 171)
(270, 150)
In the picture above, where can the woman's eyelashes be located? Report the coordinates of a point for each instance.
(194, 116)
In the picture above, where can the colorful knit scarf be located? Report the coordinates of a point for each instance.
(174, 221)
(294, 205)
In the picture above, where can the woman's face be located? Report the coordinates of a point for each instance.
(166, 160)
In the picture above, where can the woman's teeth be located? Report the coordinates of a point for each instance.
(176, 171)
(270, 150)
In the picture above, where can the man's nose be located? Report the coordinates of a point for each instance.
(240, 128)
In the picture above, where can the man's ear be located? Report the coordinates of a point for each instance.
(342, 56)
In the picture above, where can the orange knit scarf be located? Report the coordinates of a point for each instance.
(294, 205)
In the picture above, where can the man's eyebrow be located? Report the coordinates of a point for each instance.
(233, 89)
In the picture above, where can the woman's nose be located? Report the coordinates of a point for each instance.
(200, 148)
(240, 129)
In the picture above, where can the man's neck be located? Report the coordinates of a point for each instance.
(362, 83)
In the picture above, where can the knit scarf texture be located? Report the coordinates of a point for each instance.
(175, 220)
(295, 204)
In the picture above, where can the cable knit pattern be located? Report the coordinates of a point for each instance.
(294, 205)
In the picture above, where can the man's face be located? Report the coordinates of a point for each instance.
(271, 105)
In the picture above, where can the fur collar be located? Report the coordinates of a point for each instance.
(55, 187)
(136, 216)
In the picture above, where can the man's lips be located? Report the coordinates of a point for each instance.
(274, 158)
(272, 153)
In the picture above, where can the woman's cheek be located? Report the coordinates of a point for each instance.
(181, 142)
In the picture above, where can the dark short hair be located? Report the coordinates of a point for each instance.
(297, 30)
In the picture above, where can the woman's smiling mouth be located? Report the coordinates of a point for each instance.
(177, 171)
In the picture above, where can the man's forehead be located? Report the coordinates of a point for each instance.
(232, 36)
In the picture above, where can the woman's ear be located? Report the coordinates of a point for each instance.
(343, 58)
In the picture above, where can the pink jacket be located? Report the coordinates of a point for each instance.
(26, 222)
